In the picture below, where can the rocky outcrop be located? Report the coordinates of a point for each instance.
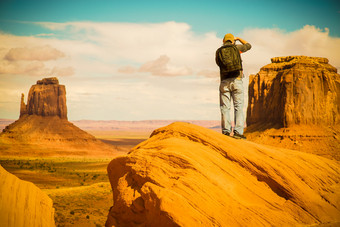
(23, 107)
(186, 175)
(294, 90)
(43, 128)
(46, 98)
(22, 203)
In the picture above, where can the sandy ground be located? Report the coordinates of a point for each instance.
(78, 186)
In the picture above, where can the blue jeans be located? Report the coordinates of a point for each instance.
(232, 88)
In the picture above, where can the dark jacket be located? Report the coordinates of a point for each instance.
(242, 48)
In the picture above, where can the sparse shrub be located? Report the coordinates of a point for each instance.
(88, 217)
(72, 212)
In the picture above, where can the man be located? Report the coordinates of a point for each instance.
(231, 73)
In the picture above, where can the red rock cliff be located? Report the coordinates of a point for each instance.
(295, 90)
(46, 98)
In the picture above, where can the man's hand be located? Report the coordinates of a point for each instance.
(241, 40)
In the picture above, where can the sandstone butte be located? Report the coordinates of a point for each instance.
(294, 102)
(23, 204)
(295, 90)
(43, 129)
(187, 175)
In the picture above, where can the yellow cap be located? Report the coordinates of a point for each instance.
(229, 37)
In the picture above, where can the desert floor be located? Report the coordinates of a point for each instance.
(78, 186)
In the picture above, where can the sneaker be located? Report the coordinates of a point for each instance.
(226, 133)
(238, 136)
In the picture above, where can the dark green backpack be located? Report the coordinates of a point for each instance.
(229, 58)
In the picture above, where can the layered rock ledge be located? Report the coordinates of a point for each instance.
(291, 61)
(46, 98)
(186, 175)
(294, 90)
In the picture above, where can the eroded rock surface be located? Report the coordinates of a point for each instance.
(294, 102)
(23, 204)
(46, 98)
(295, 90)
(186, 175)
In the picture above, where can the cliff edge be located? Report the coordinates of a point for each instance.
(23, 204)
(295, 90)
(294, 102)
(186, 175)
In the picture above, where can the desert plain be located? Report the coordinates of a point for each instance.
(78, 186)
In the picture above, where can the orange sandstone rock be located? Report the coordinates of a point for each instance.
(294, 103)
(186, 175)
(23, 204)
(43, 128)
(294, 90)
(46, 98)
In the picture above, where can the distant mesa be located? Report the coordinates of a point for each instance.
(46, 98)
(295, 90)
(294, 102)
(187, 175)
(22, 203)
(43, 128)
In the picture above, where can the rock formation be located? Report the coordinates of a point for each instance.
(46, 98)
(23, 106)
(294, 102)
(186, 175)
(294, 90)
(22, 203)
(43, 126)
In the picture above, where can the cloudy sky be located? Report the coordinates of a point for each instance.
(140, 60)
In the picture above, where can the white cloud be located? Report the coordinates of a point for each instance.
(269, 43)
(21, 67)
(209, 73)
(135, 44)
(39, 53)
(127, 69)
(115, 65)
(161, 67)
(31, 56)
(62, 71)
(33, 68)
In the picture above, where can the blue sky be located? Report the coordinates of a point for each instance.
(203, 16)
(137, 60)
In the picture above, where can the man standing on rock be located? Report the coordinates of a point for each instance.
(228, 58)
